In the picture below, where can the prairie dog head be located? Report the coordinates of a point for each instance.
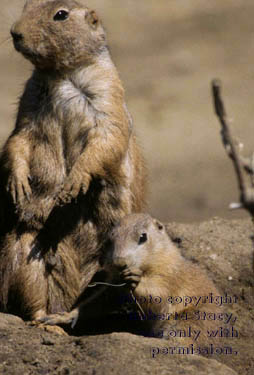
(142, 241)
(58, 34)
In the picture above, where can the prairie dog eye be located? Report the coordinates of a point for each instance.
(142, 238)
(61, 15)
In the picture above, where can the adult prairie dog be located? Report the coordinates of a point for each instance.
(71, 168)
(168, 288)
(73, 126)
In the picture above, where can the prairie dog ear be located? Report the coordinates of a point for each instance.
(92, 19)
(32, 3)
(158, 224)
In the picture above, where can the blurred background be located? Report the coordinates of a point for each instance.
(167, 53)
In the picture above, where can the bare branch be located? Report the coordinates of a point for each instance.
(240, 163)
(220, 111)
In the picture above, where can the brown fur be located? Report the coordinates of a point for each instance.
(71, 167)
(155, 267)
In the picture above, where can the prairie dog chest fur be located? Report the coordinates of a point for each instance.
(80, 103)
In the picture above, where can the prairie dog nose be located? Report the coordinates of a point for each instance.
(17, 37)
(120, 262)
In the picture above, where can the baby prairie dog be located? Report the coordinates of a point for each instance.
(157, 273)
(71, 168)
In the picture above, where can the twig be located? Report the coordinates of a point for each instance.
(240, 163)
(106, 284)
(141, 311)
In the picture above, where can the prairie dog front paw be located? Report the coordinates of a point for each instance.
(60, 318)
(132, 276)
(19, 188)
(75, 183)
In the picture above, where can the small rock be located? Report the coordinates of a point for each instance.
(213, 256)
(47, 341)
